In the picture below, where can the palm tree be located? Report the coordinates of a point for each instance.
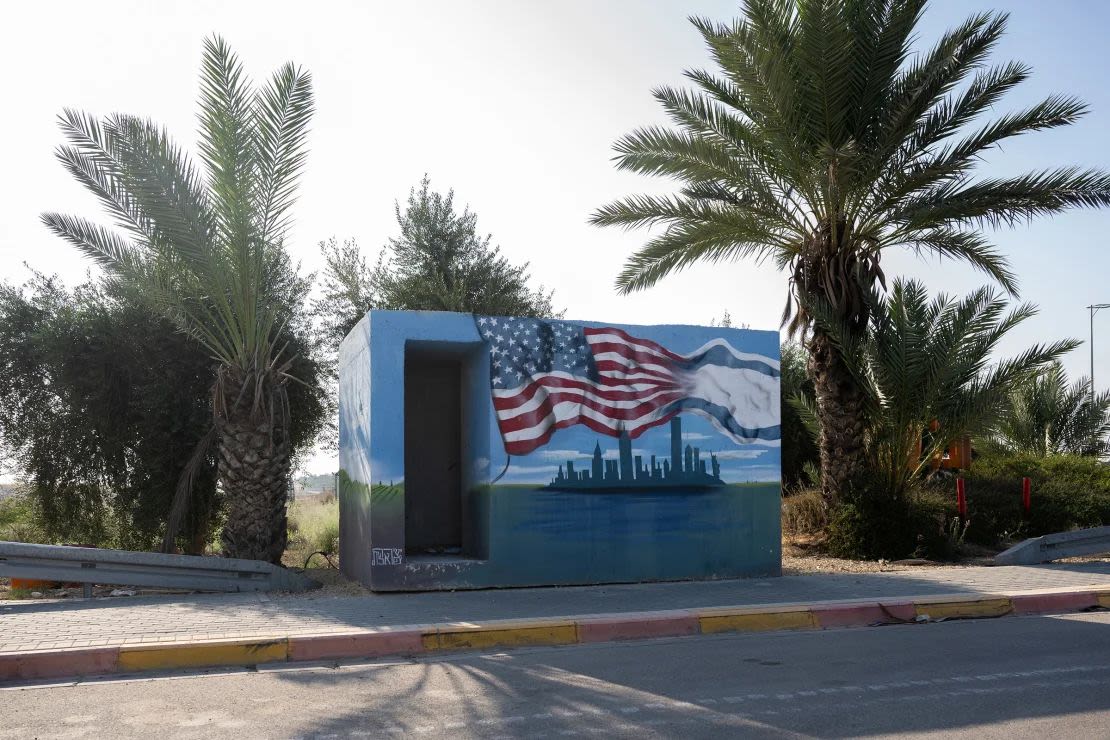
(823, 141)
(1047, 416)
(206, 246)
(923, 363)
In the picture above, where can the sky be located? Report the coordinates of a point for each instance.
(515, 105)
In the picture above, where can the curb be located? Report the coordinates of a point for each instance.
(425, 639)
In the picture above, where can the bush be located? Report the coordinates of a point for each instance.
(804, 512)
(869, 524)
(1069, 492)
(17, 520)
(313, 527)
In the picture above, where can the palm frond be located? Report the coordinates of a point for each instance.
(1006, 201)
(158, 175)
(92, 158)
(227, 141)
(105, 247)
(1044, 415)
(924, 83)
(283, 110)
(682, 245)
(969, 246)
(932, 360)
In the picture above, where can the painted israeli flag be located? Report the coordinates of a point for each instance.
(737, 391)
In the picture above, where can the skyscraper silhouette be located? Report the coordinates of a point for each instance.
(624, 445)
(676, 444)
(685, 471)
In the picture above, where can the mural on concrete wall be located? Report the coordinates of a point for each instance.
(591, 452)
(569, 383)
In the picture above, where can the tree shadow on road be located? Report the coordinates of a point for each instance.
(931, 678)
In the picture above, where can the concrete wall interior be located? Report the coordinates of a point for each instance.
(433, 452)
(488, 451)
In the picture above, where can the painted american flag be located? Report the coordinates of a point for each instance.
(548, 375)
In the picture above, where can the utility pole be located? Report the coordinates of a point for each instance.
(1094, 308)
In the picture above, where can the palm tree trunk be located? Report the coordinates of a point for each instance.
(840, 416)
(254, 471)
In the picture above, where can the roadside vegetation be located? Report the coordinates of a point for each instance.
(1068, 490)
(826, 135)
(313, 532)
(18, 522)
(165, 402)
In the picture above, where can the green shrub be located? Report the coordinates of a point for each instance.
(869, 524)
(17, 520)
(1068, 492)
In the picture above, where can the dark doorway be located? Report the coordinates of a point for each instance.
(433, 452)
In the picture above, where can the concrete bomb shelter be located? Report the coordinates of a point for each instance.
(485, 451)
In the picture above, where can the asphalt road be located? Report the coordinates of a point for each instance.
(1004, 678)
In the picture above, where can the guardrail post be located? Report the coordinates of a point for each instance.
(961, 498)
(86, 587)
(1026, 497)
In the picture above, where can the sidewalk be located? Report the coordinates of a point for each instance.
(416, 622)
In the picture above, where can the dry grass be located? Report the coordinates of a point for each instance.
(804, 513)
(313, 527)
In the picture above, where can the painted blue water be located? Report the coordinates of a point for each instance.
(575, 537)
(652, 516)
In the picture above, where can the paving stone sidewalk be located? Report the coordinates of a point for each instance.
(26, 626)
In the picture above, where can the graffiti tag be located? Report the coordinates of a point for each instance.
(387, 556)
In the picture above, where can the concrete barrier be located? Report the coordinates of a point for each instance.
(1045, 549)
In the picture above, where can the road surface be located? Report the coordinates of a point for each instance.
(1003, 678)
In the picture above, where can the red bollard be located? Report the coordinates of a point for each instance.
(1026, 497)
(961, 498)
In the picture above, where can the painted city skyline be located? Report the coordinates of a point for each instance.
(685, 469)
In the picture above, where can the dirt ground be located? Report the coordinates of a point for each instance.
(802, 555)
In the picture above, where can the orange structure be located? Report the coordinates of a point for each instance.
(957, 456)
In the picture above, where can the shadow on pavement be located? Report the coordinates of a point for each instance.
(130, 617)
(930, 678)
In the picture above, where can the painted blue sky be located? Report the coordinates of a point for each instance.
(739, 463)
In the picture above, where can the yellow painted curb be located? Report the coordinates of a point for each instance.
(565, 633)
(192, 656)
(730, 611)
(784, 620)
(971, 608)
(1104, 599)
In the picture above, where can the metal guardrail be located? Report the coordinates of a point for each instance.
(1045, 549)
(125, 568)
